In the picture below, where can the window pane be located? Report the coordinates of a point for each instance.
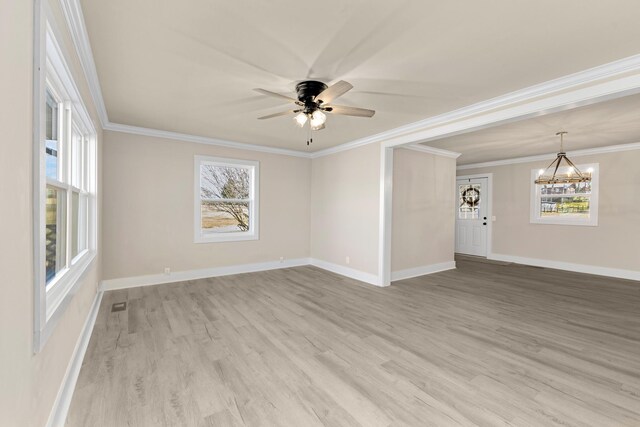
(55, 255)
(79, 223)
(77, 158)
(573, 188)
(570, 207)
(223, 182)
(468, 201)
(224, 217)
(85, 163)
(75, 224)
(51, 136)
(83, 219)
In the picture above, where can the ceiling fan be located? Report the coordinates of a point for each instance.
(314, 99)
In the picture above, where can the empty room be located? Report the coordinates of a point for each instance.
(349, 213)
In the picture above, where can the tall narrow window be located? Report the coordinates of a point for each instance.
(226, 202)
(64, 189)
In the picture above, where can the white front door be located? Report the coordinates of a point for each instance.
(471, 216)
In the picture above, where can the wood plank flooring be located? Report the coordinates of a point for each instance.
(487, 344)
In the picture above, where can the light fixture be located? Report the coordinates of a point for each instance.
(549, 176)
(318, 118)
(301, 119)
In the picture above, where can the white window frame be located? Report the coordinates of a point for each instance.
(201, 236)
(592, 220)
(51, 73)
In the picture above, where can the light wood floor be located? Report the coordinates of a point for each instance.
(486, 344)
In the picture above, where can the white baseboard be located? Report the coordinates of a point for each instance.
(58, 414)
(352, 273)
(180, 276)
(422, 270)
(560, 265)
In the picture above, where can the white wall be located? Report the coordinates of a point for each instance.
(423, 209)
(148, 208)
(30, 382)
(345, 194)
(614, 243)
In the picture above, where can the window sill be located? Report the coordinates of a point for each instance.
(60, 293)
(226, 237)
(587, 223)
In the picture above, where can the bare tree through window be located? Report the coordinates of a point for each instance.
(225, 192)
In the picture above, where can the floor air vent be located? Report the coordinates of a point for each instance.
(119, 306)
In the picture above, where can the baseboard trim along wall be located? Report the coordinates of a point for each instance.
(352, 273)
(560, 265)
(422, 270)
(58, 414)
(181, 276)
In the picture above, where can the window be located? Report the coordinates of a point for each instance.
(64, 190)
(566, 204)
(226, 200)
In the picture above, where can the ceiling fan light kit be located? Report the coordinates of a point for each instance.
(314, 98)
(550, 175)
(318, 118)
(301, 119)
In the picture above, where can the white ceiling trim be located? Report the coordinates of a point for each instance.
(433, 150)
(136, 130)
(75, 22)
(608, 81)
(550, 156)
(545, 98)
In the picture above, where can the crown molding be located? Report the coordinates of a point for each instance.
(432, 150)
(136, 130)
(347, 146)
(607, 81)
(469, 119)
(548, 88)
(566, 92)
(551, 156)
(75, 21)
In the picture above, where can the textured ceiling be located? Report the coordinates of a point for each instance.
(190, 66)
(607, 123)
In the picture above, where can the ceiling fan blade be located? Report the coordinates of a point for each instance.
(277, 95)
(281, 113)
(350, 111)
(333, 91)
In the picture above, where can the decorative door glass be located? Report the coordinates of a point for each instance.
(469, 201)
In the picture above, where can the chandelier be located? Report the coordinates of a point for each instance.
(554, 173)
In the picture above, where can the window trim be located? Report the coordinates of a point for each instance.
(592, 221)
(51, 73)
(253, 233)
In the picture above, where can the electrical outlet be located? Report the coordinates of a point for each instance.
(167, 270)
(281, 259)
(347, 260)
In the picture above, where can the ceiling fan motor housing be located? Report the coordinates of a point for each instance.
(307, 91)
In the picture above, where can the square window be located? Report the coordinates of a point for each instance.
(566, 203)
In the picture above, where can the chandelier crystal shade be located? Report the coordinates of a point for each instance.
(555, 172)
